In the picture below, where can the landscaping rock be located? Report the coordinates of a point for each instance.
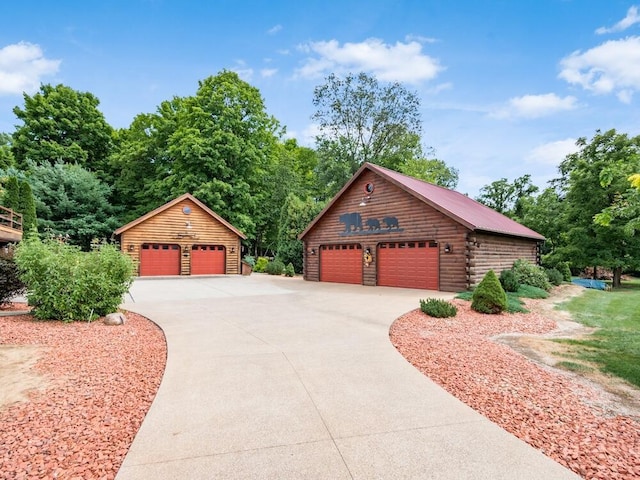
(116, 318)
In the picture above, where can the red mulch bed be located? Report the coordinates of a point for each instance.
(102, 380)
(543, 407)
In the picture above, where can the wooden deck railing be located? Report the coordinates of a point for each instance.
(11, 219)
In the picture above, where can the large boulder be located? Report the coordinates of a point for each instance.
(116, 318)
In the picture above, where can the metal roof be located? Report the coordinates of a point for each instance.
(465, 210)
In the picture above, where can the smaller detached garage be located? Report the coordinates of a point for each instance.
(384, 228)
(182, 237)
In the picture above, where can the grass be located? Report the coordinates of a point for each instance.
(615, 347)
(514, 304)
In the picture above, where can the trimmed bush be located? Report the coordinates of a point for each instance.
(289, 271)
(435, 307)
(565, 270)
(64, 283)
(276, 267)
(529, 274)
(261, 264)
(509, 281)
(554, 276)
(10, 283)
(489, 296)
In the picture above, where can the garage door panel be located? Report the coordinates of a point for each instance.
(208, 259)
(159, 259)
(341, 263)
(408, 265)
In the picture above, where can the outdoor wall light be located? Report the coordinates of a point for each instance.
(312, 251)
(233, 249)
(131, 248)
(188, 225)
(364, 201)
(448, 248)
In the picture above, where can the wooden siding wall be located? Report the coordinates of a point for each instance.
(417, 221)
(169, 227)
(497, 253)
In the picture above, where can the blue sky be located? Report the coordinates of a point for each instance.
(506, 87)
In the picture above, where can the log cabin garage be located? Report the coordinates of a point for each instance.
(388, 229)
(182, 237)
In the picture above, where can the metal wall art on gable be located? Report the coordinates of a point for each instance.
(353, 225)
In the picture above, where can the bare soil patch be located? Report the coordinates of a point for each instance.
(573, 420)
(17, 375)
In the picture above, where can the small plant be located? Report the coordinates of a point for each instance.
(249, 260)
(289, 271)
(509, 281)
(489, 296)
(554, 276)
(437, 308)
(276, 267)
(529, 274)
(261, 264)
(10, 283)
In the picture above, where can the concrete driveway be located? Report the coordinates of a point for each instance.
(277, 378)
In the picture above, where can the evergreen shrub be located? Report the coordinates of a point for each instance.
(289, 271)
(489, 296)
(275, 267)
(554, 276)
(438, 308)
(509, 281)
(64, 283)
(565, 270)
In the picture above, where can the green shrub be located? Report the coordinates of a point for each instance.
(435, 307)
(528, 291)
(276, 267)
(10, 283)
(64, 283)
(530, 274)
(489, 296)
(554, 276)
(261, 264)
(249, 260)
(509, 281)
(565, 270)
(289, 271)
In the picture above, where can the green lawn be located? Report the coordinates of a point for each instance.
(615, 347)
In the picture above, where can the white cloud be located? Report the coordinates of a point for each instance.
(275, 29)
(613, 67)
(402, 62)
(307, 137)
(420, 38)
(631, 19)
(22, 65)
(268, 72)
(243, 71)
(535, 106)
(552, 153)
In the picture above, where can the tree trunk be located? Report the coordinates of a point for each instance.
(595, 272)
(617, 276)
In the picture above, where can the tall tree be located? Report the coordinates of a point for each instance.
(6, 156)
(432, 171)
(11, 197)
(61, 125)
(361, 121)
(507, 198)
(72, 202)
(28, 210)
(594, 179)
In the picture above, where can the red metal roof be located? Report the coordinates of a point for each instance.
(461, 208)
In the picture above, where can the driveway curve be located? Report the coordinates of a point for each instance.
(278, 378)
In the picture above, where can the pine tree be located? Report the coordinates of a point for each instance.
(27, 207)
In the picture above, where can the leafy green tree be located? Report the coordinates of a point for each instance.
(594, 179)
(546, 215)
(432, 171)
(294, 218)
(507, 198)
(6, 156)
(625, 208)
(62, 125)
(71, 202)
(361, 121)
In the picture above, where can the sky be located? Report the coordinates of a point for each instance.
(506, 87)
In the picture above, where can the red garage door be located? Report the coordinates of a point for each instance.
(408, 265)
(341, 263)
(159, 259)
(207, 259)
